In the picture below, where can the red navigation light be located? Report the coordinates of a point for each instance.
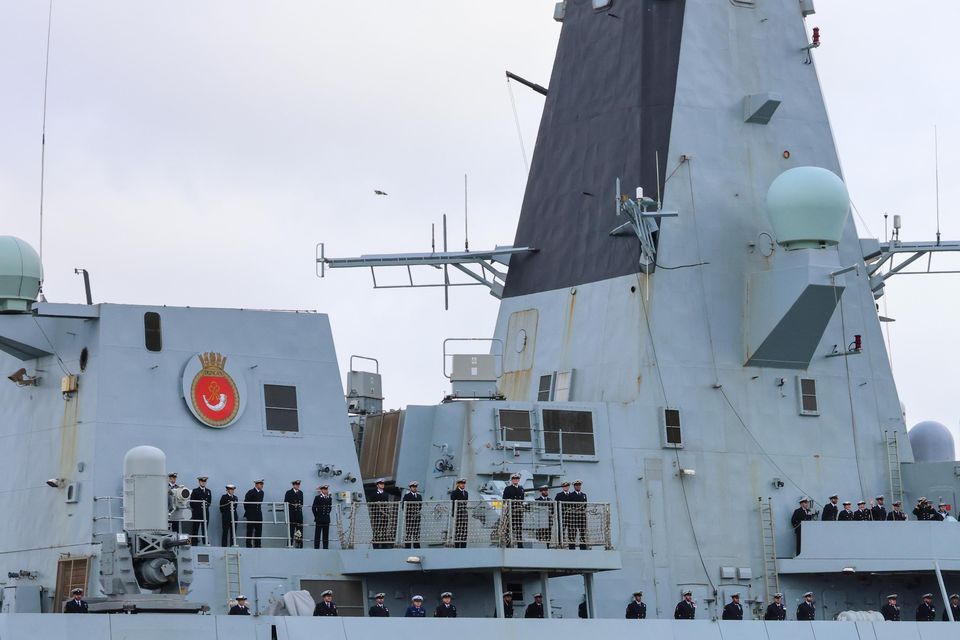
(816, 35)
(857, 343)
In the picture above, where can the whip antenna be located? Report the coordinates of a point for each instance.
(43, 123)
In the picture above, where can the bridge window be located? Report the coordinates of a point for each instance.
(280, 402)
(514, 427)
(152, 337)
(807, 394)
(567, 433)
(672, 433)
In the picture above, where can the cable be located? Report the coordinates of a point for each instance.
(63, 367)
(43, 124)
(516, 119)
(838, 300)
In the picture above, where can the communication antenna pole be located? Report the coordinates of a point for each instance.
(936, 173)
(466, 228)
(446, 276)
(659, 201)
(43, 123)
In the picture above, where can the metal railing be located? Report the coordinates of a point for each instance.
(496, 523)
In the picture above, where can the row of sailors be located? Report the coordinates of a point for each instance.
(926, 612)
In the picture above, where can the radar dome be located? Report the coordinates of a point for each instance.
(807, 207)
(20, 275)
(931, 442)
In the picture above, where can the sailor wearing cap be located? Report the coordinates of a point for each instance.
(545, 514)
(253, 513)
(733, 610)
(800, 515)
(228, 515)
(878, 511)
(846, 514)
(200, 500)
(460, 522)
(321, 508)
(807, 610)
(926, 612)
(577, 516)
(380, 516)
(891, 611)
(830, 510)
(240, 609)
(325, 607)
(535, 608)
(897, 513)
(941, 513)
(686, 608)
(507, 604)
(514, 493)
(954, 608)
(416, 610)
(294, 499)
(637, 609)
(171, 486)
(77, 604)
(378, 610)
(862, 514)
(923, 510)
(776, 610)
(446, 609)
(412, 506)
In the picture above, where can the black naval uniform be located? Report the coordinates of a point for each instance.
(294, 498)
(956, 614)
(899, 516)
(845, 516)
(228, 515)
(200, 499)
(806, 611)
(926, 612)
(322, 505)
(879, 512)
(380, 517)
(239, 610)
(545, 517)
(378, 611)
(775, 611)
(511, 492)
(445, 611)
(253, 514)
(411, 518)
(829, 513)
(862, 515)
(636, 610)
(578, 519)
(732, 611)
(508, 609)
(324, 609)
(75, 606)
(799, 515)
(459, 525)
(685, 610)
(891, 612)
(534, 610)
(582, 610)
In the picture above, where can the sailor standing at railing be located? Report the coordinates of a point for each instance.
(294, 499)
(878, 511)
(776, 610)
(380, 516)
(686, 609)
(411, 510)
(637, 609)
(578, 513)
(416, 610)
(171, 485)
(514, 493)
(897, 514)
(830, 510)
(200, 499)
(322, 506)
(253, 513)
(544, 517)
(228, 515)
(460, 522)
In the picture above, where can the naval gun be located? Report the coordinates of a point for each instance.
(146, 567)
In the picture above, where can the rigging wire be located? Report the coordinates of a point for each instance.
(43, 124)
(838, 300)
(516, 119)
(63, 367)
(936, 173)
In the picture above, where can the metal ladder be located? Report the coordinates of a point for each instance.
(893, 460)
(231, 563)
(771, 579)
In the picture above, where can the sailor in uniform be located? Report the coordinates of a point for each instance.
(807, 610)
(325, 607)
(535, 608)
(416, 610)
(322, 505)
(578, 516)
(460, 522)
(733, 610)
(228, 515)
(253, 513)
(941, 513)
(240, 609)
(445, 609)
(830, 510)
(378, 610)
(800, 515)
(77, 604)
(412, 506)
(897, 514)
(171, 485)
(926, 612)
(686, 609)
(200, 499)
(508, 604)
(514, 493)
(776, 610)
(862, 514)
(878, 511)
(294, 499)
(380, 516)
(890, 611)
(637, 609)
(846, 514)
(954, 608)
(545, 515)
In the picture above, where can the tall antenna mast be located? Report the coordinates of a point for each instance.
(43, 124)
(936, 173)
(466, 228)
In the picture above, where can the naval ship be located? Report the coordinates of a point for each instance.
(688, 325)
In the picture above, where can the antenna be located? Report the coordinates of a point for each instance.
(43, 124)
(433, 237)
(936, 173)
(659, 201)
(446, 277)
(466, 228)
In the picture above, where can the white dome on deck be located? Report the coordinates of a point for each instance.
(20, 275)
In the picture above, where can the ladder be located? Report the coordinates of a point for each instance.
(231, 563)
(771, 579)
(893, 460)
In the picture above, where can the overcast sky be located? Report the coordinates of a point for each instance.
(198, 151)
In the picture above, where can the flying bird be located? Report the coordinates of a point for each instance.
(379, 193)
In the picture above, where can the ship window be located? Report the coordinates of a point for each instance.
(545, 392)
(514, 427)
(672, 434)
(568, 432)
(280, 402)
(807, 394)
(152, 337)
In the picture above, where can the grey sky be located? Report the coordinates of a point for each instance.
(197, 152)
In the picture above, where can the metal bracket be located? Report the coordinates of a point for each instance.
(916, 250)
(643, 216)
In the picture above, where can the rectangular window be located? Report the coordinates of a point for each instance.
(545, 392)
(672, 435)
(568, 432)
(807, 393)
(515, 427)
(280, 402)
(152, 337)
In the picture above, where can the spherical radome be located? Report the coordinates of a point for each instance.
(807, 207)
(20, 275)
(931, 442)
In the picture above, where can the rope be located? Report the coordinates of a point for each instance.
(516, 119)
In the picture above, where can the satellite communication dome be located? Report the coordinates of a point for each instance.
(20, 275)
(807, 207)
(931, 442)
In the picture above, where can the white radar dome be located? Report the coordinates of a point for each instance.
(20, 275)
(807, 207)
(931, 442)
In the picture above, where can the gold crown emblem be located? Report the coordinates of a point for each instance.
(211, 360)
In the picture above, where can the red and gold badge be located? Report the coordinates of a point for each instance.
(213, 396)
